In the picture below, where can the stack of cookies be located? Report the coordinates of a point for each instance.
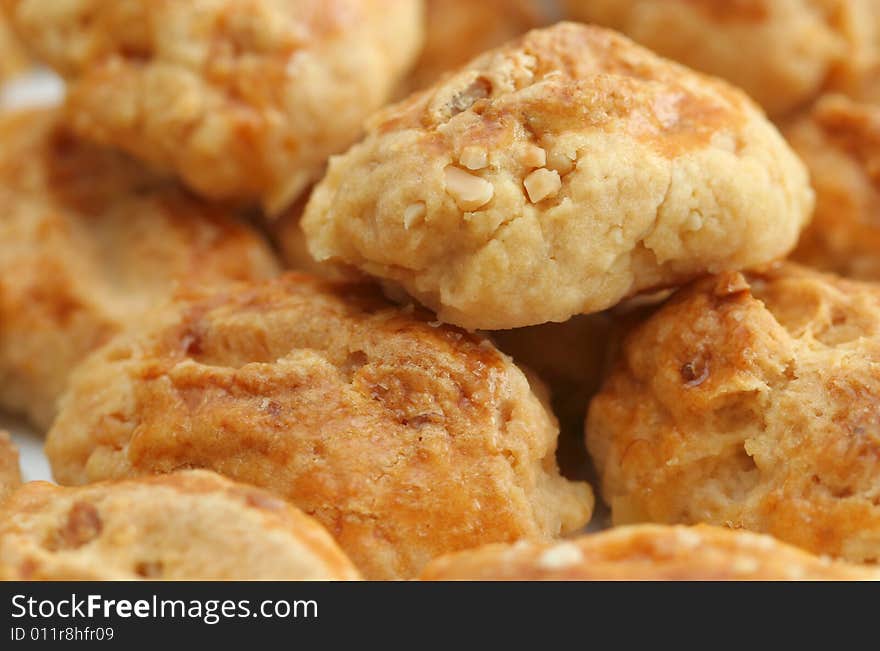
(340, 289)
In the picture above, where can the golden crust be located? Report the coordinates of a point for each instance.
(803, 46)
(647, 553)
(556, 176)
(458, 30)
(89, 240)
(10, 470)
(406, 439)
(839, 140)
(191, 525)
(750, 401)
(244, 99)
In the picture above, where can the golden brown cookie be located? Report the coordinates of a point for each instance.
(839, 140)
(10, 470)
(405, 438)
(782, 52)
(750, 401)
(647, 553)
(244, 99)
(458, 30)
(556, 176)
(191, 525)
(89, 240)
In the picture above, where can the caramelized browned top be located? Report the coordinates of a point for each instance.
(572, 78)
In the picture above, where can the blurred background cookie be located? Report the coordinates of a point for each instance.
(90, 240)
(458, 30)
(13, 58)
(750, 401)
(839, 140)
(187, 526)
(244, 99)
(781, 52)
(647, 553)
(557, 176)
(405, 438)
(10, 470)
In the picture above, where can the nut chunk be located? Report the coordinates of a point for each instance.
(243, 99)
(406, 439)
(559, 175)
(191, 525)
(750, 401)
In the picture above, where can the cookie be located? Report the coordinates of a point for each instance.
(647, 553)
(458, 30)
(405, 438)
(10, 470)
(244, 99)
(750, 400)
(800, 46)
(839, 140)
(187, 526)
(557, 176)
(89, 241)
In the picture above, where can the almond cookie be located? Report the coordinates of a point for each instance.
(840, 143)
(458, 30)
(405, 438)
(750, 401)
(244, 99)
(10, 470)
(647, 553)
(89, 240)
(781, 52)
(187, 526)
(557, 176)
